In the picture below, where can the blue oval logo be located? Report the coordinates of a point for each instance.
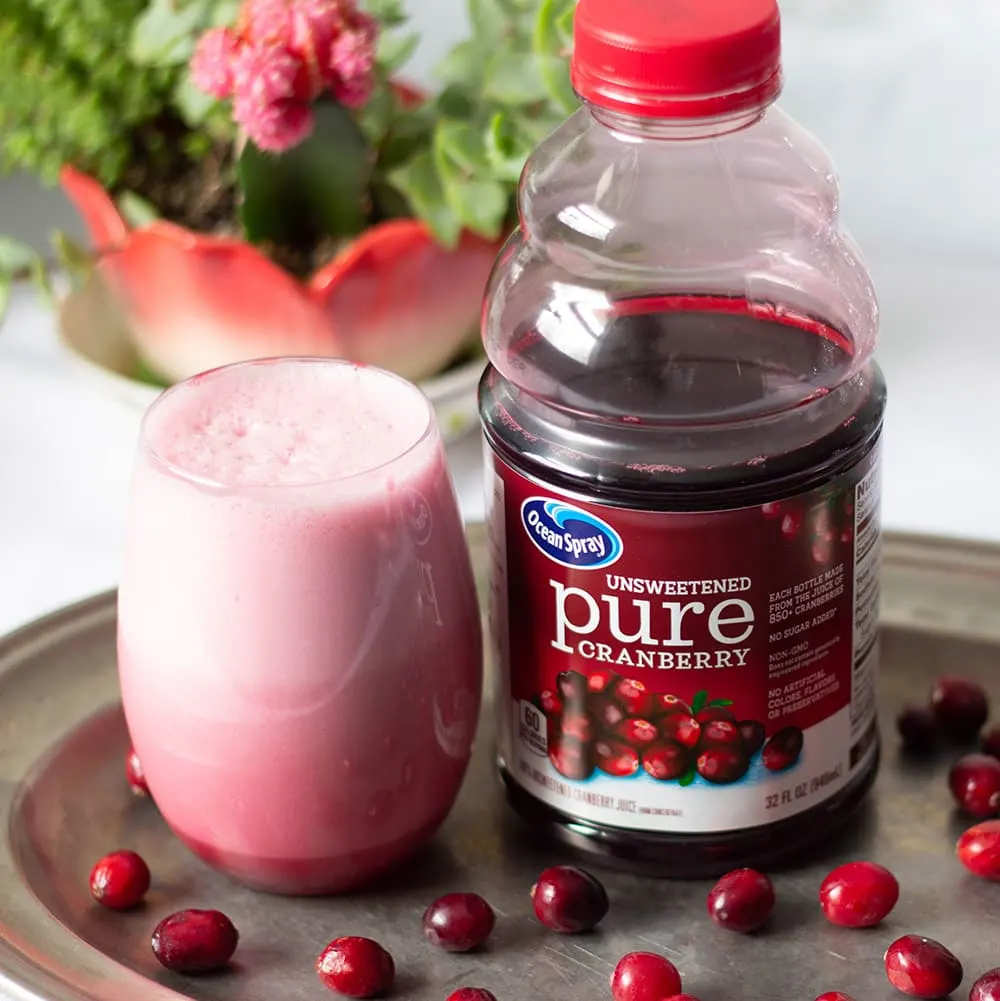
(569, 536)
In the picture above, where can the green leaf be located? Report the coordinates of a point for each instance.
(463, 65)
(721, 702)
(318, 188)
(687, 778)
(480, 203)
(488, 19)
(455, 102)
(145, 373)
(409, 135)
(698, 703)
(192, 104)
(6, 284)
(375, 118)
(71, 257)
(463, 145)
(17, 258)
(137, 211)
(418, 181)
(388, 13)
(164, 34)
(513, 78)
(395, 50)
(553, 43)
(506, 148)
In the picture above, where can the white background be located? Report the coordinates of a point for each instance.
(904, 94)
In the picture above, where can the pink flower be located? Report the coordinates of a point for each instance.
(212, 62)
(266, 99)
(352, 58)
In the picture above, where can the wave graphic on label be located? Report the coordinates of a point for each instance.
(569, 536)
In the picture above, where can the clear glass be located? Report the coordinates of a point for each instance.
(299, 642)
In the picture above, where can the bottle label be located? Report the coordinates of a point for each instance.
(685, 672)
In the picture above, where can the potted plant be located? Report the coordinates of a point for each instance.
(257, 179)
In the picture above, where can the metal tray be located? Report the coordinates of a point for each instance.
(64, 803)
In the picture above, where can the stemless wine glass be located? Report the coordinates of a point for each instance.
(298, 635)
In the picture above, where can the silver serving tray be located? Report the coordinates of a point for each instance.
(64, 803)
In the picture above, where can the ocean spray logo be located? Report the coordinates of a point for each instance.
(569, 536)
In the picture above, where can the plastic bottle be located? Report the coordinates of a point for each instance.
(683, 419)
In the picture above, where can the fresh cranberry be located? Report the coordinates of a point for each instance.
(974, 781)
(355, 966)
(989, 741)
(681, 728)
(720, 731)
(616, 757)
(644, 976)
(600, 678)
(918, 729)
(577, 725)
(783, 749)
(572, 686)
(987, 987)
(458, 922)
(711, 714)
(791, 523)
(835, 996)
(921, 967)
(571, 758)
(978, 849)
(742, 900)
(772, 509)
(666, 760)
(471, 994)
(550, 703)
(634, 697)
(858, 894)
(640, 732)
(195, 941)
(753, 735)
(961, 707)
(134, 773)
(119, 880)
(567, 899)
(664, 705)
(721, 764)
(604, 710)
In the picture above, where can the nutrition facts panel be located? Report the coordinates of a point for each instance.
(867, 549)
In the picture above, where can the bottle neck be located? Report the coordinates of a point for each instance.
(634, 127)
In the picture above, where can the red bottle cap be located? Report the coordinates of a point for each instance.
(677, 58)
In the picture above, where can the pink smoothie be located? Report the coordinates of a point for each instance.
(299, 643)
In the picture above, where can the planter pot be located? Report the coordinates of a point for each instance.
(95, 337)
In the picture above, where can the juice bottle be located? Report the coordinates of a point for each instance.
(683, 423)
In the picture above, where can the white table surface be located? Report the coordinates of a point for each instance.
(66, 450)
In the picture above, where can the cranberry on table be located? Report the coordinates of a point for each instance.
(722, 764)
(600, 679)
(569, 900)
(195, 941)
(753, 734)
(119, 880)
(918, 729)
(987, 987)
(640, 732)
(978, 849)
(616, 757)
(974, 781)
(858, 894)
(665, 760)
(356, 967)
(960, 707)
(682, 728)
(644, 976)
(458, 922)
(922, 968)
(635, 698)
(742, 900)
(471, 994)
(783, 749)
(989, 741)
(835, 996)
(134, 773)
